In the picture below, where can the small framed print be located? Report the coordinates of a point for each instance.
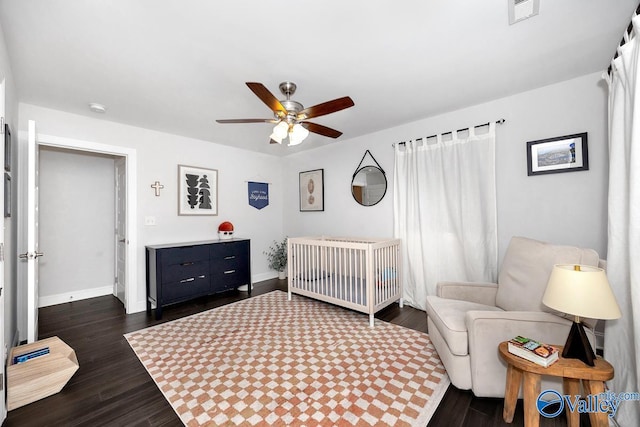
(567, 153)
(312, 190)
(197, 191)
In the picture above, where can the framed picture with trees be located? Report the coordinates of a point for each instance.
(197, 191)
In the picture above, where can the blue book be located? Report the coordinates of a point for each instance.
(30, 355)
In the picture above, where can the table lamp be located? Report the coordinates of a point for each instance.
(582, 291)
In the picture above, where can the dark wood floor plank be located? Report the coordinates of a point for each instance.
(112, 388)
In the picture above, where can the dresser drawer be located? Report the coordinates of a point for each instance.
(184, 255)
(229, 278)
(229, 251)
(187, 288)
(178, 272)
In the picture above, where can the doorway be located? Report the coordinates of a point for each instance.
(82, 201)
(26, 270)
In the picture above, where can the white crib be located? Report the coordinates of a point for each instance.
(360, 274)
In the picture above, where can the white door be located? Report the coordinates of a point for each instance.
(121, 228)
(32, 254)
(3, 410)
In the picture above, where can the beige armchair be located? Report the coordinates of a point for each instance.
(467, 321)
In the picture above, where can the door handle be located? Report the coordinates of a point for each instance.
(122, 240)
(29, 255)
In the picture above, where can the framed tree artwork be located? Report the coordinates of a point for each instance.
(197, 191)
(312, 190)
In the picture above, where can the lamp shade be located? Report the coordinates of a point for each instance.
(581, 290)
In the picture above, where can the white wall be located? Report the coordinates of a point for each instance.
(10, 224)
(76, 229)
(565, 208)
(159, 155)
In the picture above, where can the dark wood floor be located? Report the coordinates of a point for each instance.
(112, 388)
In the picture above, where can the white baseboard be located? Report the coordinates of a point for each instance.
(46, 301)
(264, 276)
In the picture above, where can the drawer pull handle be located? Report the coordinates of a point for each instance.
(187, 263)
(229, 271)
(190, 279)
(201, 277)
(230, 257)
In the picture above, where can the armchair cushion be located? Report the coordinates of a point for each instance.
(449, 317)
(526, 269)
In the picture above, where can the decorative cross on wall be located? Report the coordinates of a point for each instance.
(157, 186)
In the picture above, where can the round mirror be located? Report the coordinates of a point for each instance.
(369, 185)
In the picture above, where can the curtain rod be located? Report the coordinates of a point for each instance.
(626, 35)
(499, 122)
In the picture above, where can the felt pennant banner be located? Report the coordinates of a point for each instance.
(258, 194)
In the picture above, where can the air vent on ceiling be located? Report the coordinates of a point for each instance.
(522, 9)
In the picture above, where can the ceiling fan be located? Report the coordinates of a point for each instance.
(290, 117)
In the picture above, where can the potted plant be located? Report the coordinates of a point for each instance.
(277, 257)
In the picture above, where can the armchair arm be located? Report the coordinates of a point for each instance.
(487, 329)
(479, 292)
(493, 327)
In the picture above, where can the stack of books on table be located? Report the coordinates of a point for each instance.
(534, 351)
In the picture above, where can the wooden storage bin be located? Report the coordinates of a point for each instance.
(39, 377)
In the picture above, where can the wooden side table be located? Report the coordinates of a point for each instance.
(39, 377)
(572, 372)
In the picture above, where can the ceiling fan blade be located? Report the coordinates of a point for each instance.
(247, 121)
(326, 108)
(321, 130)
(267, 97)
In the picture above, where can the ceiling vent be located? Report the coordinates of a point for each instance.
(522, 9)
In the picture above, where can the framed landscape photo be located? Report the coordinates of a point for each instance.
(567, 153)
(197, 191)
(312, 190)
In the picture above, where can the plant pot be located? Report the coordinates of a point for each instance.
(282, 275)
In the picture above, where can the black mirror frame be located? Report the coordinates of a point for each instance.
(360, 168)
(386, 184)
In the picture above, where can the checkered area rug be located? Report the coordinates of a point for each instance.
(267, 361)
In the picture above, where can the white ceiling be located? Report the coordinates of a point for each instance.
(176, 66)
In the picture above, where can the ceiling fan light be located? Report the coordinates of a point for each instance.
(297, 134)
(276, 138)
(280, 131)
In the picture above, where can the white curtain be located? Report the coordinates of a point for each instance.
(622, 336)
(445, 211)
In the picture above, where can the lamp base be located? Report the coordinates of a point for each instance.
(578, 346)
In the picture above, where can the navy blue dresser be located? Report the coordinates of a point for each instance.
(183, 271)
